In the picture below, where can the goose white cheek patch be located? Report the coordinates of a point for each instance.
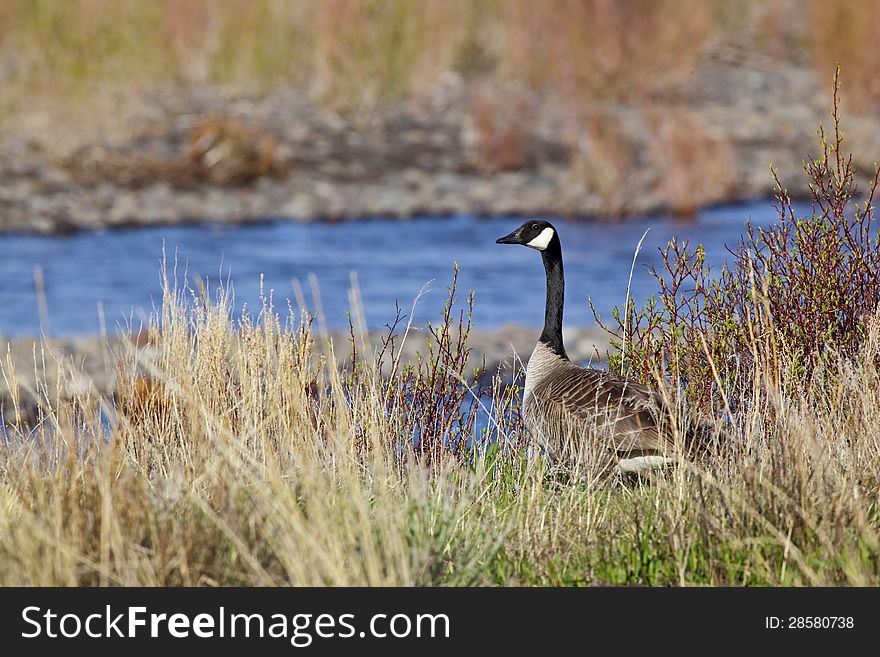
(542, 240)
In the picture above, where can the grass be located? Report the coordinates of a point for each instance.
(356, 55)
(618, 75)
(250, 451)
(346, 52)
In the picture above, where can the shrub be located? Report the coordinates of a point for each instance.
(793, 294)
(434, 400)
(245, 452)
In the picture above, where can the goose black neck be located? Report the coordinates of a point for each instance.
(552, 334)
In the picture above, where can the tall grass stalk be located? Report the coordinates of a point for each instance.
(234, 453)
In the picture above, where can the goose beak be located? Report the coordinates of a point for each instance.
(513, 238)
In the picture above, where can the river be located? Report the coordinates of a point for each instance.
(95, 281)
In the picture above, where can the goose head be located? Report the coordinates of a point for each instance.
(535, 233)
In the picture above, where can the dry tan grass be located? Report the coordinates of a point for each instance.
(86, 63)
(694, 163)
(846, 32)
(243, 454)
(77, 73)
(499, 130)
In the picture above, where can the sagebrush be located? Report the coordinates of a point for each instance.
(794, 298)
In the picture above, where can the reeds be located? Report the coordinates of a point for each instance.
(250, 451)
(362, 52)
(619, 74)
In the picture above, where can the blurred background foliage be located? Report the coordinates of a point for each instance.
(355, 55)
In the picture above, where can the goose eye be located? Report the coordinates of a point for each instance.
(535, 226)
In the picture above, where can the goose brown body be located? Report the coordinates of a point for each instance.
(565, 405)
(568, 407)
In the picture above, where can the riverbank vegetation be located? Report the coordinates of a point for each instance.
(155, 113)
(251, 451)
(358, 53)
(243, 453)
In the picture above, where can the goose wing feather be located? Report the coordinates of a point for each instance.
(634, 413)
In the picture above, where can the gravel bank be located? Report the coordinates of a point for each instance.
(196, 155)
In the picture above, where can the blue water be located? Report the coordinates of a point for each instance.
(119, 272)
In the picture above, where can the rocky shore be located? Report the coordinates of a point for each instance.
(59, 369)
(194, 155)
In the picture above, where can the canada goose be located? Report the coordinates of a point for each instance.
(568, 407)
